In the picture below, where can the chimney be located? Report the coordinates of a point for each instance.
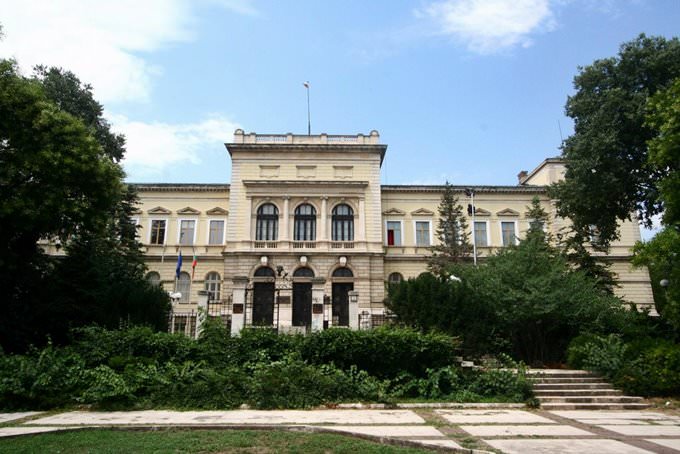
(521, 176)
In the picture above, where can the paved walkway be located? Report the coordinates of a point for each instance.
(456, 430)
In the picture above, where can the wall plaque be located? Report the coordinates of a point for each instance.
(237, 308)
(284, 299)
(317, 308)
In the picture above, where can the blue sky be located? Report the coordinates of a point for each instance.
(466, 90)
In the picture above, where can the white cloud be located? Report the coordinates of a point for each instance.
(491, 26)
(154, 147)
(102, 42)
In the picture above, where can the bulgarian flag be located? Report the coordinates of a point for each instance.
(193, 266)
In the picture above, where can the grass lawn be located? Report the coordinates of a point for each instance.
(198, 441)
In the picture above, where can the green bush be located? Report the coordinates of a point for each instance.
(602, 354)
(385, 352)
(647, 366)
(291, 383)
(138, 368)
(652, 369)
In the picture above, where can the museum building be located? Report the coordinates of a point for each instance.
(305, 236)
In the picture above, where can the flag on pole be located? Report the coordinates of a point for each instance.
(179, 265)
(306, 84)
(193, 266)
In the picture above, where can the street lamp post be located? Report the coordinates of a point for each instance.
(471, 193)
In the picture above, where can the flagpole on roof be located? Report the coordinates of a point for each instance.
(309, 118)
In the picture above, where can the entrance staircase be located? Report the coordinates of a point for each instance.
(561, 389)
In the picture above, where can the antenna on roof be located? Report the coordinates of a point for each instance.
(560, 128)
(309, 118)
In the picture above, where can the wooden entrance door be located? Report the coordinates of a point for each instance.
(302, 304)
(341, 303)
(263, 304)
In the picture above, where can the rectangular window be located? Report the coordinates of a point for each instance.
(157, 231)
(393, 233)
(422, 233)
(216, 235)
(481, 239)
(186, 231)
(508, 233)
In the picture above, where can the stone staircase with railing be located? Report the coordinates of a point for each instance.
(561, 389)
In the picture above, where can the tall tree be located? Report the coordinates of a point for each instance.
(609, 176)
(452, 233)
(663, 116)
(60, 179)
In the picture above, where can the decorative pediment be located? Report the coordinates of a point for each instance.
(188, 210)
(159, 210)
(507, 212)
(393, 212)
(482, 212)
(422, 212)
(217, 211)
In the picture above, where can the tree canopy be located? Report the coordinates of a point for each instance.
(453, 238)
(609, 174)
(60, 181)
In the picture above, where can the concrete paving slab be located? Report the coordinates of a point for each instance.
(492, 417)
(622, 422)
(604, 414)
(14, 431)
(565, 446)
(160, 417)
(4, 417)
(390, 431)
(444, 442)
(666, 442)
(645, 431)
(524, 430)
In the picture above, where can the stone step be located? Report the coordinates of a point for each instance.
(577, 392)
(567, 380)
(558, 373)
(594, 406)
(545, 386)
(589, 399)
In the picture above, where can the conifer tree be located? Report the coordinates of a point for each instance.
(452, 233)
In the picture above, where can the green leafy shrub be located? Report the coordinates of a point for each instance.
(603, 354)
(291, 383)
(652, 369)
(41, 379)
(385, 352)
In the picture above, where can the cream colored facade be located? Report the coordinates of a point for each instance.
(309, 261)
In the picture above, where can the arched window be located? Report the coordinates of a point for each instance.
(342, 219)
(303, 272)
(184, 287)
(267, 228)
(394, 278)
(154, 279)
(264, 271)
(305, 223)
(343, 272)
(213, 284)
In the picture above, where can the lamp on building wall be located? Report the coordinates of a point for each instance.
(353, 297)
(343, 261)
(303, 260)
(264, 260)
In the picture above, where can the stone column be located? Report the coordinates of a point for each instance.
(202, 314)
(317, 303)
(361, 227)
(353, 297)
(323, 230)
(238, 307)
(249, 222)
(285, 219)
